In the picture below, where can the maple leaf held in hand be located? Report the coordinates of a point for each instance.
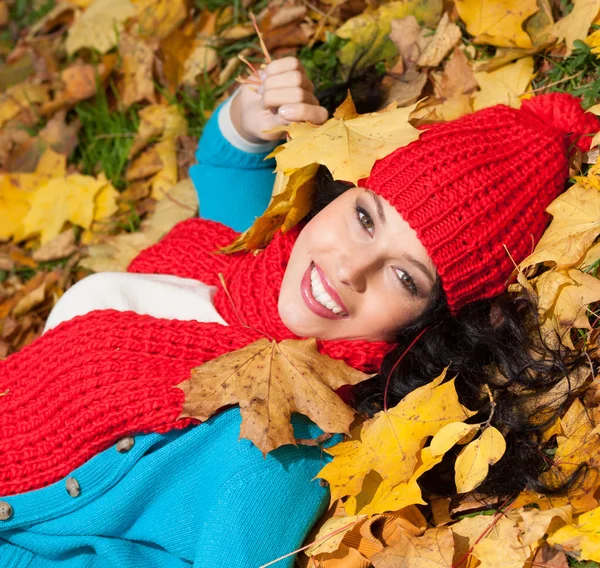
(347, 144)
(270, 381)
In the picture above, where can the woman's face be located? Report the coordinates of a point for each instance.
(357, 271)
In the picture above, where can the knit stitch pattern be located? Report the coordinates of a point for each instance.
(475, 189)
(99, 377)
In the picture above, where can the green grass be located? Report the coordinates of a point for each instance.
(576, 74)
(25, 13)
(105, 137)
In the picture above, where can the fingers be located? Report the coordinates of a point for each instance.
(283, 65)
(294, 78)
(303, 112)
(287, 95)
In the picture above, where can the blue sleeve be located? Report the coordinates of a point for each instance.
(234, 187)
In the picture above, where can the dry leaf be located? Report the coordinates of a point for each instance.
(137, 62)
(146, 164)
(574, 227)
(158, 121)
(158, 18)
(503, 86)
(497, 22)
(432, 550)
(563, 300)
(390, 445)
(368, 32)
(329, 538)
(115, 253)
(450, 435)
(502, 547)
(269, 381)
(62, 199)
(348, 144)
(576, 24)
(582, 538)
(472, 463)
(457, 76)
(579, 443)
(61, 137)
(447, 35)
(98, 26)
(286, 209)
(548, 557)
(61, 246)
(203, 59)
(20, 98)
(537, 523)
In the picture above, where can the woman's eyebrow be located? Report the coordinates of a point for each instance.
(378, 205)
(418, 264)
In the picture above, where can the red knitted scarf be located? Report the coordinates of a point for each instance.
(96, 378)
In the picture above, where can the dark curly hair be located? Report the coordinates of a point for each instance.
(489, 342)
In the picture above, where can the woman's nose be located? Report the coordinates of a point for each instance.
(353, 271)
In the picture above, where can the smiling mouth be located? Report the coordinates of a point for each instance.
(319, 296)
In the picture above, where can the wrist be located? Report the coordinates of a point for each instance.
(236, 120)
(231, 132)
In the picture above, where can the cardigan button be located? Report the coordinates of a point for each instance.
(73, 488)
(6, 511)
(125, 444)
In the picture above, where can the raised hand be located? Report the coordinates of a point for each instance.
(285, 95)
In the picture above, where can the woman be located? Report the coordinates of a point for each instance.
(418, 245)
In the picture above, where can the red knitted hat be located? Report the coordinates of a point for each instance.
(472, 186)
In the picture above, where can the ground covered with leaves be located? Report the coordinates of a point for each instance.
(101, 106)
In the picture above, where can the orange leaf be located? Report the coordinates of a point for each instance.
(269, 381)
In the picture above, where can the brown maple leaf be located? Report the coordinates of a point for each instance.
(270, 381)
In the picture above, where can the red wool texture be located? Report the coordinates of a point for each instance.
(476, 189)
(99, 377)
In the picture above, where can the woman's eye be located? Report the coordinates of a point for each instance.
(407, 281)
(365, 220)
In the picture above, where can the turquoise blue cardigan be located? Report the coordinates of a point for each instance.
(195, 497)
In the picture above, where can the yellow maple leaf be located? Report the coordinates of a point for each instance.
(98, 26)
(503, 85)
(574, 227)
(563, 300)
(349, 143)
(285, 210)
(17, 190)
(497, 22)
(582, 538)
(62, 199)
(576, 24)
(387, 450)
(14, 205)
(472, 464)
(269, 381)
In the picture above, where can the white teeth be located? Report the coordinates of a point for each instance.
(319, 293)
